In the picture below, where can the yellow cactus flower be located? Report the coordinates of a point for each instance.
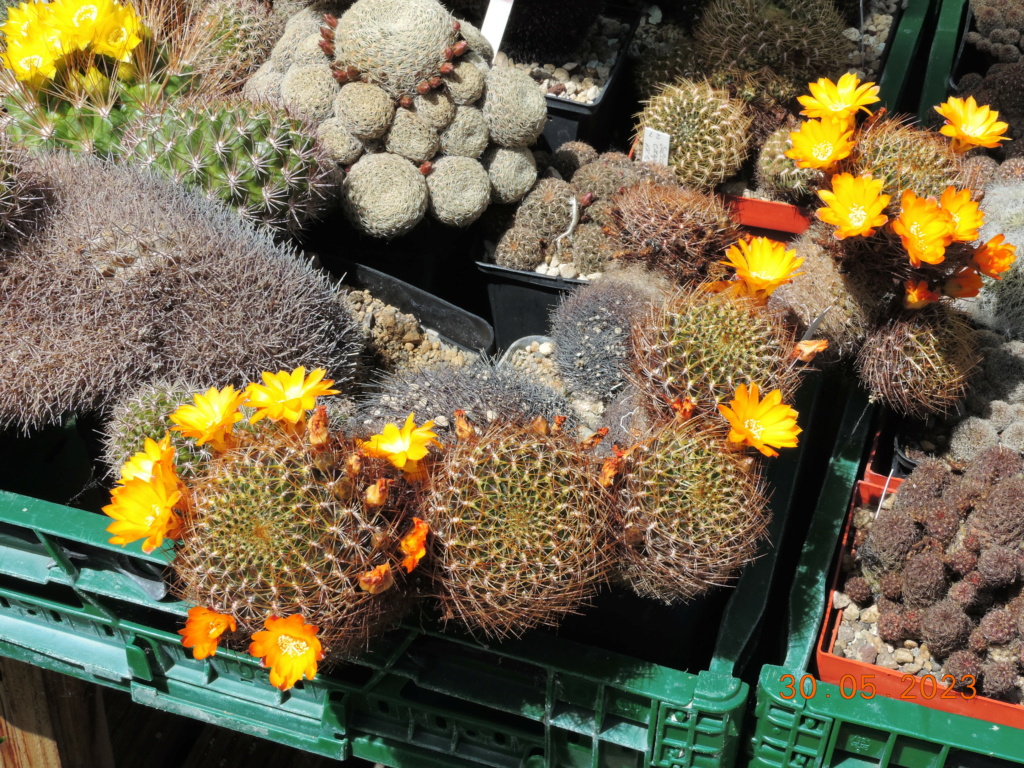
(763, 424)
(212, 418)
(970, 126)
(118, 33)
(924, 227)
(77, 20)
(838, 101)
(144, 509)
(763, 264)
(290, 648)
(404, 447)
(967, 219)
(995, 257)
(142, 464)
(918, 294)
(285, 397)
(23, 19)
(964, 284)
(32, 60)
(854, 205)
(820, 144)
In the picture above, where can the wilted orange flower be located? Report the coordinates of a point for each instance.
(144, 509)
(402, 447)
(964, 284)
(285, 396)
(925, 229)
(763, 264)
(377, 580)
(854, 205)
(763, 424)
(806, 351)
(838, 101)
(820, 144)
(290, 648)
(212, 418)
(967, 219)
(414, 545)
(203, 630)
(969, 125)
(995, 257)
(141, 464)
(918, 294)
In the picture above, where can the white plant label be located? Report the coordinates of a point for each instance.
(656, 146)
(495, 21)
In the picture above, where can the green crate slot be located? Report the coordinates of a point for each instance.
(945, 49)
(896, 83)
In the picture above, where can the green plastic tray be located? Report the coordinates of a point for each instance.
(898, 81)
(945, 51)
(827, 730)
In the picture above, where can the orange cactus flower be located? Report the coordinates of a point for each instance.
(378, 580)
(763, 264)
(995, 257)
(290, 648)
(854, 205)
(918, 294)
(840, 100)
(806, 351)
(925, 229)
(212, 418)
(763, 424)
(414, 545)
(141, 464)
(820, 144)
(285, 397)
(970, 126)
(203, 629)
(964, 284)
(404, 447)
(967, 219)
(144, 509)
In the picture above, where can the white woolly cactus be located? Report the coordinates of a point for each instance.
(385, 195)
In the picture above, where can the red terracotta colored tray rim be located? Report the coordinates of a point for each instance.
(881, 483)
(891, 683)
(768, 214)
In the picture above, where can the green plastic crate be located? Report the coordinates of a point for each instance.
(827, 730)
(71, 602)
(906, 43)
(946, 47)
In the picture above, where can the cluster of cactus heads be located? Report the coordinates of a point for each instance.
(407, 81)
(944, 567)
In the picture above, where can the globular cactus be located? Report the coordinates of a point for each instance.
(572, 156)
(888, 543)
(924, 580)
(708, 131)
(396, 44)
(519, 248)
(488, 393)
(592, 330)
(905, 156)
(800, 40)
(243, 34)
(702, 346)
(269, 534)
(365, 110)
(23, 196)
(945, 627)
(411, 137)
(692, 513)
(778, 175)
(465, 83)
(459, 191)
(466, 135)
(385, 195)
(521, 530)
(920, 362)
(589, 248)
(337, 143)
(513, 173)
(436, 109)
(542, 32)
(673, 230)
(549, 209)
(153, 281)
(604, 178)
(256, 158)
(514, 108)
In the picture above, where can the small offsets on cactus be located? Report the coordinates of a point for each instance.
(673, 230)
(521, 529)
(512, 172)
(700, 346)
(514, 108)
(256, 158)
(459, 191)
(708, 131)
(692, 513)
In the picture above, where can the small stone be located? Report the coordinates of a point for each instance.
(910, 644)
(851, 33)
(654, 14)
(840, 601)
(869, 615)
(560, 74)
(569, 66)
(558, 89)
(603, 72)
(867, 653)
(924, 654)
(903, 656)
(441, 421)
(844, 636)
(538, 74)
(852, 612)
(592, 93)
(541, 269)
(546, 349)
(592, 276)
(927, 445)
(886, 660)
(911, 669)
(928, 665)
(567, 270)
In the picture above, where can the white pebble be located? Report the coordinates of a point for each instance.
(654, 14)
(560, 74)
(567, 270)
(546, 348)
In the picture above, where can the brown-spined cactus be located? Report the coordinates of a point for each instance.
(244, 32)
(692, 513)
(22, 195)
(920, 362)
(271, 534)
(708, 131)
(514, 107)
(519, 248)
(778, 175)
(673, 230)
(701, 346)
(385, 195)
(521, 529)
(549, 209)
(603, 178)
(572, 156)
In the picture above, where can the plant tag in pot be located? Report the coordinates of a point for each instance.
(495, 21)
(656, 146)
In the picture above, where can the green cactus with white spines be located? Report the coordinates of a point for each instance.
(257, 158)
